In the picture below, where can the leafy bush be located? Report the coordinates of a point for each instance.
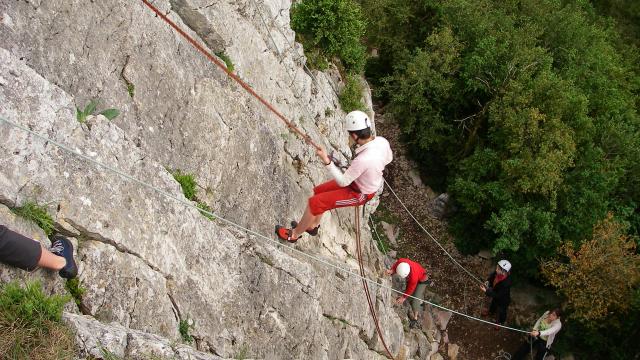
(351, 96)
(30, 326)
(606, 264)
(335, 27)
(38, 214)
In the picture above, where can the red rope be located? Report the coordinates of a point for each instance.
(365, 285)
(235, 77)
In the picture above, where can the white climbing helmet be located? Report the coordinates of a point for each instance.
(357, 120)
(504, 265)
(403, 270)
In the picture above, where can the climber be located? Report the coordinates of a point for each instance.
(542, 336)
(354, 187)
(417, 282)
(498, 288)
(27, 254)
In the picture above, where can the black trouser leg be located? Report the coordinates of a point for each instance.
(539, 347)
(501, 317)
(523, 350)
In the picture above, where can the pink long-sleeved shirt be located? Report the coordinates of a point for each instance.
(366, 169)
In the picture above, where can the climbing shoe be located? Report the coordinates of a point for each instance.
(312, 232)
(61, 246)
(285, 234)
(414, 324)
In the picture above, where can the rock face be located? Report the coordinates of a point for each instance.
(147, 260)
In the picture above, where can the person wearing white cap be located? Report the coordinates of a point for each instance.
(417, 282)
(498, 288)
(357, 185)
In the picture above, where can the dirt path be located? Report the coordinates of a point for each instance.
(459, 291)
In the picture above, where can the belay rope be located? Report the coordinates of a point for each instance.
(365, 285)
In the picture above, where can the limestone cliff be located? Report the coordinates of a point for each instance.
(147, 261)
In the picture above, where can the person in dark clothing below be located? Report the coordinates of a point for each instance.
(498, 288)
(27, 254)
(542, 335)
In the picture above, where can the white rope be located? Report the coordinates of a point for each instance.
(431, 236)
(247, 230)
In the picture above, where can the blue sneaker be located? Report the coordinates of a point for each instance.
(61, 246)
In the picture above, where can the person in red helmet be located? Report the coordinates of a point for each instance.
(417, 282)
(357, 185)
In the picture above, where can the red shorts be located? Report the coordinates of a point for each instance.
(329, 196)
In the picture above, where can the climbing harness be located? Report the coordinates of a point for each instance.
(365, 285)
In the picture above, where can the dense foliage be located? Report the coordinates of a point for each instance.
(526, 112)
(332, 27)
(587, 276)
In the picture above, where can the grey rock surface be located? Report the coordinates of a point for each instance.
(148, 260)
(99, 340)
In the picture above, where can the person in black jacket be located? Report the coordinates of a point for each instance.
(498, 288)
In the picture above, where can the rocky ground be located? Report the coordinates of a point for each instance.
(459, 291)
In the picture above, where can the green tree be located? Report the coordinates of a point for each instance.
(335, 27)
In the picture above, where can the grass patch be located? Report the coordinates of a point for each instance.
(183, 328)
(30, 324)
(131, 89)
(333, 318)
(187, 182)
(189, 185)
(328, 112)
(382, 213)
(243, 353)
(227, 60)
(75, 289)
(37, 214)
(351, 96)
(90, 109)
(382, 241)
(203, 208)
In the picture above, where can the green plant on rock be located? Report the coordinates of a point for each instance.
(351, 96)
(227, 60)
(242, 353)
(187, 182)
(30, 324)
(334, 28)
(90, 109)
(205, 210)
(184, 327)
(75, 289)
(38, 214)
(131, 89)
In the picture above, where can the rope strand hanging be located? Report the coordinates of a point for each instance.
(372, 308)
